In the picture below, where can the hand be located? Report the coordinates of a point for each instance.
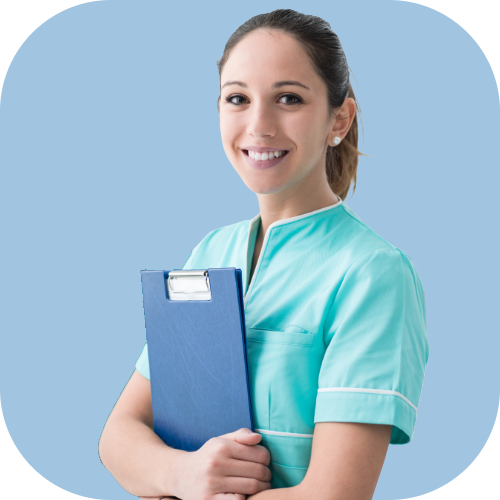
(232, 463)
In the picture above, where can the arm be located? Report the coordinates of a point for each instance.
(146, 467)
(346, 461)
(130, 449)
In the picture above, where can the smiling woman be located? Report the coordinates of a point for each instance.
(317, 103)
(335, 315)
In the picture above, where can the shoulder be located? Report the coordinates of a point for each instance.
(365, 254)
(365, 246)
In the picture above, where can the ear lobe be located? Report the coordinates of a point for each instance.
(334, 141)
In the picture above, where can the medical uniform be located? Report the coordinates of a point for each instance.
(335, 326)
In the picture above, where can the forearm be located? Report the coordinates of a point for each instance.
(138, 458)
(292, 493)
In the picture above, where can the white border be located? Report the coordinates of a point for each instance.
(277, 433)
(18, 19)
(372, 391)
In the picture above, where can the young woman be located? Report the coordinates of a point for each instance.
(335, 315)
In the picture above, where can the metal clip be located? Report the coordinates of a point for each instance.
(188, 285)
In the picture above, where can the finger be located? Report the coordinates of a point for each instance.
(248, 438)
(244, 430)
(229, 496)
(249, 453)
(242, 468)
(244, 435)
(245, 485)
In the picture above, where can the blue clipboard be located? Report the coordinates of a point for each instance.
(195, 330)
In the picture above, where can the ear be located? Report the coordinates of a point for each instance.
(218, 105)
(342, 122)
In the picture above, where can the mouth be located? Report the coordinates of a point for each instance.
(282, 154)
(270, 160)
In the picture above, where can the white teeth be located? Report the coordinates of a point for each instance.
(269, 155)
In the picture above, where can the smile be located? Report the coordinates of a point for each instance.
(268, 155)
(263, 160)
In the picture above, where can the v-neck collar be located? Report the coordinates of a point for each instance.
(253, 230)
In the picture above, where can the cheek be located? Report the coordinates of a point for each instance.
(230, 126)
(307, 130)
(229, 136)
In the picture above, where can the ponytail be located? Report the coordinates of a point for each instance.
(342, 160)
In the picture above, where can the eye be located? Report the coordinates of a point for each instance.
(298, 100)
(230, 98)
(233, 99)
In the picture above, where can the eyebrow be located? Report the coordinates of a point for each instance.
(276, 85)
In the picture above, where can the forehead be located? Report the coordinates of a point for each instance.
(269, 56)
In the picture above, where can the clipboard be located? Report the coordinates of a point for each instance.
(195, 331)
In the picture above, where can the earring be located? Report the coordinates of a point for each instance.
(336, 140)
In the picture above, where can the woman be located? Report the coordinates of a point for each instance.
(335, 315)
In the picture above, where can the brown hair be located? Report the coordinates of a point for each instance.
(328, 58)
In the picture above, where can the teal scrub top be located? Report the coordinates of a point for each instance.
(335, 326)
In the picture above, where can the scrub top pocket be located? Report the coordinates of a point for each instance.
(292, 336)
(283, 370)
(290, 457)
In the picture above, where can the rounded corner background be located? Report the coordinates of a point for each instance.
(474, 448)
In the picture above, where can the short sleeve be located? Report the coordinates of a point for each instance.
(376, 346)
(142, 364)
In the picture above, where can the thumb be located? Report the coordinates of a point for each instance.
(244, 435)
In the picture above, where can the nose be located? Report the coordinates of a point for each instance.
(261, 121)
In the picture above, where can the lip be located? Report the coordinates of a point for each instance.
(263, 165)
(263, 149)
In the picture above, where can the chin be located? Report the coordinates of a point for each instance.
(261, 188)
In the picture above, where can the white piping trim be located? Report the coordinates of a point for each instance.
(303, 216)
(373, 391)
(276, 433)
(268, 232)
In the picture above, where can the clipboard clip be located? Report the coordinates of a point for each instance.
(188, 285)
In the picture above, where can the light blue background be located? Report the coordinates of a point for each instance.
(112, 162)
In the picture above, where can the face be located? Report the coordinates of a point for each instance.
(265, 110)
